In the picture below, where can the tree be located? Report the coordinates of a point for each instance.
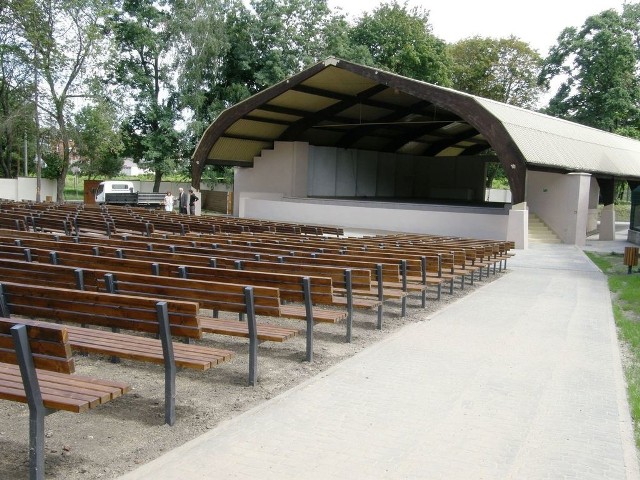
(16, 107)
(98, 140)
(144, 37)
(61, 37)
(598, 64)
(504, 69)
(228, 52)
(401, 41)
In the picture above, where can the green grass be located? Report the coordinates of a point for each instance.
(625, 296)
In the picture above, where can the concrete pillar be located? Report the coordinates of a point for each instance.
(607, 230)
(578, 208)
(518, 226)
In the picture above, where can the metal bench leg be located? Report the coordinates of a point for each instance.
(349, 286)
(37, 411)
(403, 267)
(253, 336)
(308, 306)
(423, 272)
(169, 364)
(380, 295)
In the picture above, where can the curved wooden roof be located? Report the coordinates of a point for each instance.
(346, 105)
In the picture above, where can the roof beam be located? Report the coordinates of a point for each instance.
(274, 121)
(354, 135)
(364, 97)
(347, 102)
(441, 145)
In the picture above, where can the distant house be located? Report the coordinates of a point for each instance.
(131, 168)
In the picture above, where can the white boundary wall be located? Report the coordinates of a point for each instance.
(24, 188)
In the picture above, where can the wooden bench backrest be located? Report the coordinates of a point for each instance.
(208, 294)
(15, 222)
(289, 285)
(360, 277)
(97, 308)
(226, 297)
(390, 272)
(49, 345)
(20, 271)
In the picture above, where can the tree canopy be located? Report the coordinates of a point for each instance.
(144, 78)
(400, 40)
(504, 69)
(597, 65)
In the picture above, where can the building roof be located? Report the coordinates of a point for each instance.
(346, 105)
(560, 144)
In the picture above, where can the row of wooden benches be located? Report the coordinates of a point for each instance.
(109, 219)
(139, 284)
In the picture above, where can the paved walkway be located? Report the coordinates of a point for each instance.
(521, 379)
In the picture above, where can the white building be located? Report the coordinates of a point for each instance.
(350, 145)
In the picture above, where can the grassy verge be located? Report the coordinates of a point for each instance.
(625, 295)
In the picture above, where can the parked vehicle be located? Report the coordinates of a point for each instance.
(121, 192)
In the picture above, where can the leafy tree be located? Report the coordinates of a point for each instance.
(98, 140)
(503, 69)
(400, 39)
(61, 38)
(289, 35)
(228, 52)
(599, 65)
(16, 106)
(52, 165)
(143, 34)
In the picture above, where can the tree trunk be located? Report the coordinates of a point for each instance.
(156, 181)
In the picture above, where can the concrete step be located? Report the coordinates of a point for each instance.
(539, 232)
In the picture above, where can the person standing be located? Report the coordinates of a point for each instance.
(193, 198)
(168, 202)
(183, 200)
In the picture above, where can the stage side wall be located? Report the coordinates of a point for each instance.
(463, 222)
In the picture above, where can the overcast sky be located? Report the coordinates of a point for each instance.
(537, 22)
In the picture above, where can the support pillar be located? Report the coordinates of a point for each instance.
(518, 226)
(607, 229)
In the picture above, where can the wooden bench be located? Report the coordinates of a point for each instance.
(630, 258)
(147, 315)
(83, 224)
(49, 224)
(291, 287)
(133, 277)
(36, 368)
(15, 222)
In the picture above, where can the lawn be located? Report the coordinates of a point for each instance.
(625, 296)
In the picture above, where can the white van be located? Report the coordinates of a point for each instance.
(118, 187)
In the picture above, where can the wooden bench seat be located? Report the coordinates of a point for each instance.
(36, 367)
(147, 315)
